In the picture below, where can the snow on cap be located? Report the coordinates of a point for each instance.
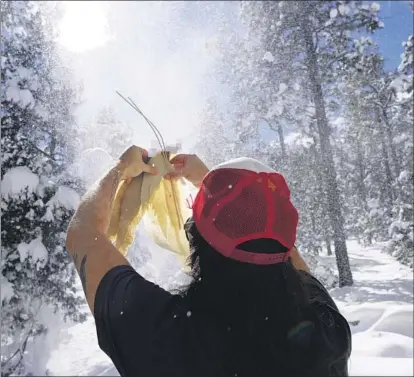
(245, 163)
(242, 200)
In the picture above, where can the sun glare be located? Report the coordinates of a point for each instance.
(83, 26)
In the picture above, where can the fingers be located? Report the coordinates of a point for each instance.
(179, 159)
(149, 169)
(144, 153)
(134, 152)
(176, 174)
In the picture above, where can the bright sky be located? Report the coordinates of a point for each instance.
(398, 25)
(84, 25)
(155, 53)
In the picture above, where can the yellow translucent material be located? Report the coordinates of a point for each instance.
(160, 203)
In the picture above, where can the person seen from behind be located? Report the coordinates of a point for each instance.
(253, 307)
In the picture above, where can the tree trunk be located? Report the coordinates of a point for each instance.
(328, 245)
(282, 141)
(334, 206)
(362, 189)
(361, 175)
(326, 229)
(53, 146)
(394, 156)
(387, 168)
(279, 129)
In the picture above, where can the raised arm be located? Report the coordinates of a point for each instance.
(94, 255)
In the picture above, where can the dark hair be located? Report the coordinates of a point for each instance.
(269, 321)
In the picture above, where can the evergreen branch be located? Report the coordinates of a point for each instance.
(21, 349)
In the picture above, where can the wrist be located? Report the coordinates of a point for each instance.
(197, 183)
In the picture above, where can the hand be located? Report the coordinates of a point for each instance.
(188, 166)
(132, 163)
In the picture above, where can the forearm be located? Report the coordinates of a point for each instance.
(94, 211)
(86, 240)
(197, 183)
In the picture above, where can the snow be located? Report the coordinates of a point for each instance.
(91, 165)
(22, 96)
(24, 73)
(268, 57)
(34, 249)
(379, 366)
(276, 109)
(375, 7)
(65, 197)
(39, 351)
(404, 176)
(17, 180)
(378, 306)
(42, 112)
(339, 123)
(333, 13)
(397, 83)
(7, 290)
(282, 88)
(343, 9)
(380, 303)
(295, 138)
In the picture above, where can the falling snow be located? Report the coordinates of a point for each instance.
(226, 94)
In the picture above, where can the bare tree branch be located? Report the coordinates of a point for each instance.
(42, 151)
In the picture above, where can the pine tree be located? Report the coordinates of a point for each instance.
(305, 46)
(402, 227)
(37, 200)
(105, 131)
(365, 172)
(378, 144)
(213, 144)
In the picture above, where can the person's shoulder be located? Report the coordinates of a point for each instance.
(316, 290)
(310, 280)
(335, 325)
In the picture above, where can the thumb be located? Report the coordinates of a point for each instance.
(149, 169)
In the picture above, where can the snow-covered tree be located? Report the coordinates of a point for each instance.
(402, 227)
(104, 131)
(98, 144)
(286, 65)
(214, 142)
(378, 148)
(37, 200)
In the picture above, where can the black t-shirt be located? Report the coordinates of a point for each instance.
(147, 331)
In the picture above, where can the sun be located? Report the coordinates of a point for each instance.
(83, 26)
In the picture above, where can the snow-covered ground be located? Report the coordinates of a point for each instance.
(379, 307)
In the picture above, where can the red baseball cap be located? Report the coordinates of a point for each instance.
(242, 200)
